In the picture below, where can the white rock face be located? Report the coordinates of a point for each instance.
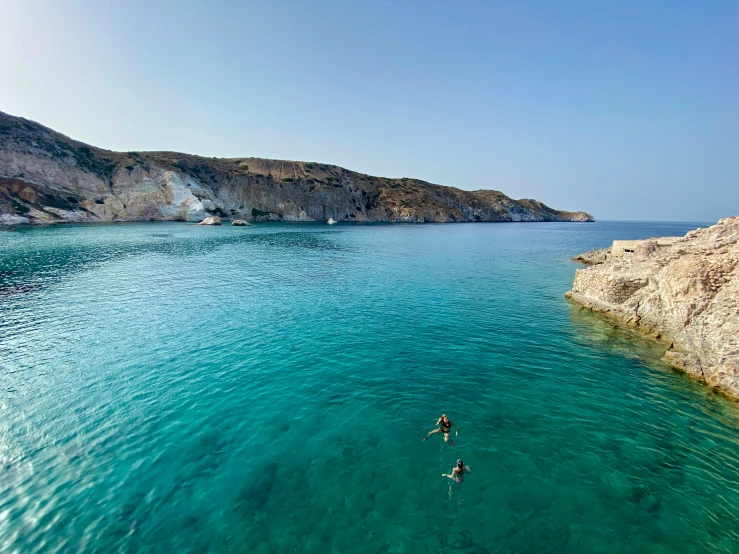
(182, 204)
(194, 209)
(683, 291)
(9, 219)
(152, 193)
(73, 216)
(208, 204)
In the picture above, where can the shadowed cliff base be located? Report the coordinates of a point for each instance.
(683, 291)
(46, 177)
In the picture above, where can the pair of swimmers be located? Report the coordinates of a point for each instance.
(445, 427)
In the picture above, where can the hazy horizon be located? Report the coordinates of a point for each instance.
(624, 111)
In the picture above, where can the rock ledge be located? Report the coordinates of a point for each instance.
(683, 291)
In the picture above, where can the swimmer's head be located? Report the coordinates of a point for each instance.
(443, 416)
(460, 463)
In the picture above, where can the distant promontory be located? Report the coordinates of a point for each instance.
(46, 177)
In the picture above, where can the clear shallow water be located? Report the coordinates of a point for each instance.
(168, 387)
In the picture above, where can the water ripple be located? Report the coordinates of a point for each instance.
(165, 387)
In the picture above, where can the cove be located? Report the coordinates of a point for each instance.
(168, 387)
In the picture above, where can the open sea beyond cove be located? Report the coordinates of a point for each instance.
(167, 387)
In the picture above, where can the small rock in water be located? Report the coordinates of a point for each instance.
(211, 220)
(240, 223)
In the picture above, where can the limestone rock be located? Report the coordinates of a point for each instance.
(211, 220)
(42, 169)
(208, 204)
(681, 290)
(240, 223)
(10, 219)
(592, 257)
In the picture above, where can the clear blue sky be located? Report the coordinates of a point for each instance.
(628, 109)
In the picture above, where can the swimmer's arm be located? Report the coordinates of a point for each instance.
(467, 469)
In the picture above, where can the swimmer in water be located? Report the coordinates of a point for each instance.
(457, 475)
(445, 426)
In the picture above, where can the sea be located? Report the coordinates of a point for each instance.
(168, 387)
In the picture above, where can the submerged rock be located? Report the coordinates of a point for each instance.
(681, 290)
(211, 220)
(240, 223)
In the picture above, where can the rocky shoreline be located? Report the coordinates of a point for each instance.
(46, 177)
(683, 291)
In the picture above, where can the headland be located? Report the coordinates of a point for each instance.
(46, 177)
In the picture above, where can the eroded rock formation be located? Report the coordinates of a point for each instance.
(595, 256)
(46, 177)
(681, 290)
(211, 220)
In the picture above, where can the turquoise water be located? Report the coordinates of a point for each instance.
(166, 387)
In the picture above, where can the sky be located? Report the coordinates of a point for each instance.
(628, 109)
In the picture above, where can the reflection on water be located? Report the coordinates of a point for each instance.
(47, 261)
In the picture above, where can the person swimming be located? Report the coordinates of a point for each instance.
(457, 475)
(445, 426)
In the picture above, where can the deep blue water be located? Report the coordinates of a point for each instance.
(167, 387)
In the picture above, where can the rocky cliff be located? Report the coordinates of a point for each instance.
(681, 290)
(46, 177)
